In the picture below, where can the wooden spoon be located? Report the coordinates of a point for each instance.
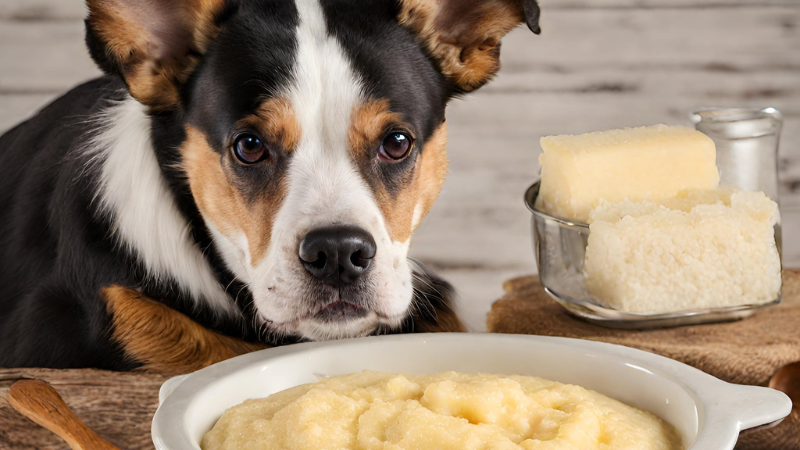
(787, 380)
(39, 402)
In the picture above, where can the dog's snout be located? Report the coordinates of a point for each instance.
(337, 255)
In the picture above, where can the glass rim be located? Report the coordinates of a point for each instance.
(736, 114)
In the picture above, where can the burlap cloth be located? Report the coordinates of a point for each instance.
(745, 352)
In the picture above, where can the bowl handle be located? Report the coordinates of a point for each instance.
(755, 406)
(169, 386)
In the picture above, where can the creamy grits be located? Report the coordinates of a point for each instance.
(458, 411)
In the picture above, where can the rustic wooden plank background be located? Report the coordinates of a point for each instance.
(598, 64)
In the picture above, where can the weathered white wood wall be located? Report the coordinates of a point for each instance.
(598, 64)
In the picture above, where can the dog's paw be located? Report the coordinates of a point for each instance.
(164, 340)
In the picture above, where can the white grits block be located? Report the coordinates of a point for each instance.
(645, 257)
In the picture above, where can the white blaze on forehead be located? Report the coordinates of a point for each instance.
(324, 186)
(325, 88)
(324, 92)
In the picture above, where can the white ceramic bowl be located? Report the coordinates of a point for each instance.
(707, 412)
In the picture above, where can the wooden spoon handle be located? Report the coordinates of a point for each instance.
(41, 403)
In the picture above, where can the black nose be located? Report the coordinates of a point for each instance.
(337, 255)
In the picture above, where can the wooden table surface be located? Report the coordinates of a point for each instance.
(598, 64)
(118, 406)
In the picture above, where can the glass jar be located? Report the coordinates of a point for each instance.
(747, 149)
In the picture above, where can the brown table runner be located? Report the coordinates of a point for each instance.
(746, 352)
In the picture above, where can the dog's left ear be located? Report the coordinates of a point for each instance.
(464, 35)
(152, 44)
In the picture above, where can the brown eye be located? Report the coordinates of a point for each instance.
(396, 146)
(249, 149)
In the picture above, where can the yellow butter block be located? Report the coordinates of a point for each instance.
(697, 250)
(645, 163)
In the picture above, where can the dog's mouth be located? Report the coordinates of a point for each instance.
(318, 311)
(340, 310)
(337, 319)
(335, 311)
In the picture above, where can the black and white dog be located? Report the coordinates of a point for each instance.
(257, 166)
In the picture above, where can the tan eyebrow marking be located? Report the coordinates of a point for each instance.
(276, 120)
(368, 123)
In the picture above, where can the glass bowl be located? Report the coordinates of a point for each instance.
(560, 248)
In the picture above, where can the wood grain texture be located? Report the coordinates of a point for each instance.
(119, 407)
(39, 402)
(60, 10)
(43, 58)
(42, 10)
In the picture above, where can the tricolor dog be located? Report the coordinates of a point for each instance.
(247, 173)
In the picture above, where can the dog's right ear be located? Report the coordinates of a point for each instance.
(152, 44)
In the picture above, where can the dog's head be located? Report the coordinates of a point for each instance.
(314, 133)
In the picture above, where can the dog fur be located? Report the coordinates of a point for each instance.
(135, 236)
